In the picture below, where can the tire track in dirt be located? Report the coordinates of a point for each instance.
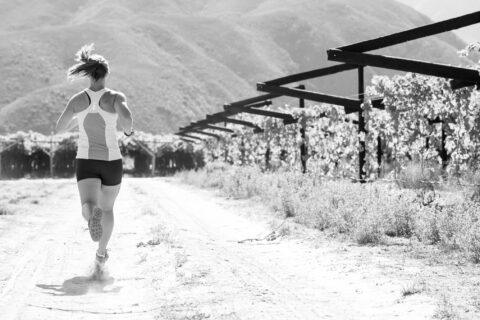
(237, 281)
(50, 277)
(284, 304)
(36, 249)
(283, 280)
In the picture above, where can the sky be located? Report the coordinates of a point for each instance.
(438, 10)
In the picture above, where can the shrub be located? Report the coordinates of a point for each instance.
(473, 242)
(4, 210)
(365, 212)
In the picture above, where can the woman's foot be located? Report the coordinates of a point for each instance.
(95, 225)
(101, 258)
(99, 268)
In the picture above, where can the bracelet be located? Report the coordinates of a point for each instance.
(128, 135)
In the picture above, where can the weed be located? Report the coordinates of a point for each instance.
(4, 211)
(180, 259)
(445, 310)
(160, 234)
(148, 211)
(413, 288)
(364, 212)
(473, 242)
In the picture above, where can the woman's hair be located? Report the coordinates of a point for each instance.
(92, 65)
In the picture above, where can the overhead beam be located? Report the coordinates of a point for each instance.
(253, 100)
(183, 128)
(415, 33)
(256, 104)
(217, 128)
(188, 140)
(287, 118)
(253, 105)
(236, 121)
(202, 123)
(204, 133)
(311, 74)
(250, 101)
(456, 84)
(188, 136)
(431, 69)
(378, 104)
(353, 104)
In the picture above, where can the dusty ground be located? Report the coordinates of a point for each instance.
(177, 253)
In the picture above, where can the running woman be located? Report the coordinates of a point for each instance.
(98, 162)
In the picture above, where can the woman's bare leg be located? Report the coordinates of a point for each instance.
(89, 190)
(108, 194)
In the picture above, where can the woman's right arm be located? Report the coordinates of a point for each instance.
(63, 122)
(124, 113)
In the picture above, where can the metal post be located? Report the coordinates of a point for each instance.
(154, 157)
(225, 151)
(51, 154)
(361, 126)
(242, 151)
(379, 156)
(444, 154)
(267, 158)
(303, 145)
(153, 165)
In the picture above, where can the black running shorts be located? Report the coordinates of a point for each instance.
(109, 172)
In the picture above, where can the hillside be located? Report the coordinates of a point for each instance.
(443, 9)
(178, 60)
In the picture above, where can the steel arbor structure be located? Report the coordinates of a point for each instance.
(352, 57)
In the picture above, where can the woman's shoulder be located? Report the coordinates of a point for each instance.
(79, 101)
(116, 94)
(79, 96)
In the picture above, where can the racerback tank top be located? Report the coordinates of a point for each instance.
(97, 131)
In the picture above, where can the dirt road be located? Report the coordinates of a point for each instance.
(175, 254)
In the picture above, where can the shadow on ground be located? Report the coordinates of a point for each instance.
(81, 285)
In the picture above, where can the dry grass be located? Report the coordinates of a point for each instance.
(5, 210)
(367, 213)
(160, 235)
(414, 287)
(445, 310)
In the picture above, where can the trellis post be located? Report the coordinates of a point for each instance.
(361, 126)
(267, 156)
(242, 150)
(444, 154)
(51, 154)
(151, 153)
(379, 156)
(303, 145)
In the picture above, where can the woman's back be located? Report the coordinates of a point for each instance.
(97, 122)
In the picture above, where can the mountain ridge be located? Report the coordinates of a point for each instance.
(177, 61)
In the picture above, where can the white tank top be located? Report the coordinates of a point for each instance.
(98, 131)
